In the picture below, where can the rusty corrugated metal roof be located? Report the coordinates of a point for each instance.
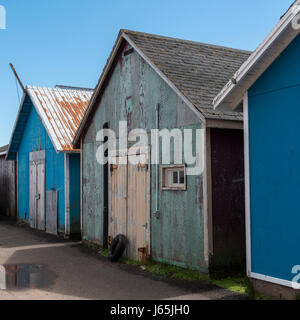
(61, 111)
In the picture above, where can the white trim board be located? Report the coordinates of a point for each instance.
(247, 183)
(265, 278)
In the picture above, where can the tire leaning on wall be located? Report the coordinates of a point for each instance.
(117, 248)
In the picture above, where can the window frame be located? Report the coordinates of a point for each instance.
(173, 187)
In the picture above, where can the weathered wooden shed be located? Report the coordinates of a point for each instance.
(8, 185)
(268, 86)
(48, 165)
(195, 221)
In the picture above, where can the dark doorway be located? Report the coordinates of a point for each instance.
(228, 201)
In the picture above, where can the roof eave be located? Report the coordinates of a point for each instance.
(278, 39)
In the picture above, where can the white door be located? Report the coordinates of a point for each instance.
(37, 189)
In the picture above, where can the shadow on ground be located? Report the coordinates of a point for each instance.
(80, 273)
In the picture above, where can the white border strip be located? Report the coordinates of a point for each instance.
(247, 183)
(278, 281)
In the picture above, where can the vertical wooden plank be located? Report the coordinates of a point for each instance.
(138, 210)
(131, 221)
(51, 212)
(32, 194)
(41, 196)
(37, 189)
(118, 201)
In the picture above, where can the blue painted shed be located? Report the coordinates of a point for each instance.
(268, 87)
(48, 167)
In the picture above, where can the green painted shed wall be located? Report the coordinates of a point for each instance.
(178, 236)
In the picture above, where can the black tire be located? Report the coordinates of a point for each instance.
(117, 248)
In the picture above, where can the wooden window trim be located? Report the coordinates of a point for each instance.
(180, 187)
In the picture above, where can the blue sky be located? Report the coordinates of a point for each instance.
(68, 41)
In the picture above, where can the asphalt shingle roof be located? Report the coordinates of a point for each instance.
(3, 149)
(199, 71)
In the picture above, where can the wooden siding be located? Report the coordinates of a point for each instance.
(131, 94)
(74, 190)
(8, 187)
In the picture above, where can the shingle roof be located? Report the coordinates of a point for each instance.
(199, 71)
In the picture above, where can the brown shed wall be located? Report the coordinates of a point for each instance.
(8, 193)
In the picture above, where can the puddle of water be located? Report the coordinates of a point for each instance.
(24, 276)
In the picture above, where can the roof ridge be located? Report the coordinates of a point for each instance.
(59, 89)
(182, 40)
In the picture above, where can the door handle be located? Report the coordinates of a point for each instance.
(38, 196)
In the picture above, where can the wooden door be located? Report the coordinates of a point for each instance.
(130, 207)
(118, 201)
(138, 212)
(37, 190)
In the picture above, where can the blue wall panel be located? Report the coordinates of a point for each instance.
(74, 167)
(274, 133)
(35, 138)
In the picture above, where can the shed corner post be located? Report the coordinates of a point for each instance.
(67, 194)
(207, 218)
(247, 182)
(81, 188)
(17, 186)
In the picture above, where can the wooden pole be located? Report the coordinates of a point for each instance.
(17, 77)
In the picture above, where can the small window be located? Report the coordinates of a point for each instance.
(174, 178)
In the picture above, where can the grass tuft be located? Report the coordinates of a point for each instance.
(237, 284)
